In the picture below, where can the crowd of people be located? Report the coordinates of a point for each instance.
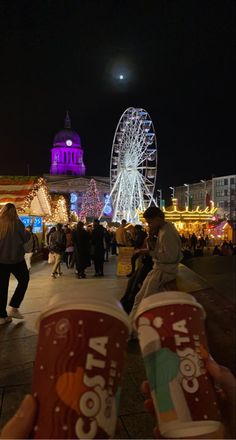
(225, 249)
(80, 246)
(201, 245)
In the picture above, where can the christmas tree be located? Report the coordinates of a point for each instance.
(91, 204)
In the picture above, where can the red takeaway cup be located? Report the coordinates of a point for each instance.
(80, 355)
(173, 341)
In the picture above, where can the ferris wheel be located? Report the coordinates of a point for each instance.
(133, 165)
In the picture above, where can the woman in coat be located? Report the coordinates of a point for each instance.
(13, 236)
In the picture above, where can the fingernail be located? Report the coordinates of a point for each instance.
(24, 406)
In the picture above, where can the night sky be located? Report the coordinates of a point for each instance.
(178, 62)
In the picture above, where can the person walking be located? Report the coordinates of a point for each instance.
(113, 243)
(98, 245)
(166, 252)
(13, 236)
(69, 248)
(57, 245)
(107, 236)
(31, 247)
(81, 240)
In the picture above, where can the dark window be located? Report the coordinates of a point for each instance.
(225, 181)
(225, 204)
(232, 180)
(225, 192)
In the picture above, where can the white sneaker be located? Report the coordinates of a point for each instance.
(53, 275)
(5, 320)
(14, 313)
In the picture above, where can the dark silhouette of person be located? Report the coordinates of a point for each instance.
(193, 241)
(98, 242)
(81, 240)
(138, 243)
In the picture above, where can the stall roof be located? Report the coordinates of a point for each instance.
(29, 194)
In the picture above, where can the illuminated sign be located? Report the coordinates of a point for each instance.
(37, 225)
(27, 220)
(36, 222)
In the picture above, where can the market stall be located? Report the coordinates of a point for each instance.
(31, 197)
(34, 204)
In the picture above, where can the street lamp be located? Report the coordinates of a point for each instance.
(187, 194)
(160, 197)
(205, 192)
(173, 192)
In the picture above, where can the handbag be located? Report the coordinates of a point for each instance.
(51, 258)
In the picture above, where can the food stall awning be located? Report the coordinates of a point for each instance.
(29, 194)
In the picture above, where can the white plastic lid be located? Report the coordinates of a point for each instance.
(166, 299)
(96, 301)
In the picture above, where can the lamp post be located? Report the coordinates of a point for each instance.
(205, 192)
(160, 197)
(187, 195)
(173, 192)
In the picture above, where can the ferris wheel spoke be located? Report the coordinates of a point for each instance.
(149, 181)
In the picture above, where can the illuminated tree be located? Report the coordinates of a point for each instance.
(91, 204)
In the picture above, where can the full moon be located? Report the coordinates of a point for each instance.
(121, 76)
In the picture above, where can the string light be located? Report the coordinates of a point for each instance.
(38, 184)
(60, 210)
(185, 219)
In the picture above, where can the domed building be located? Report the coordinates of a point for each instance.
(67, 153)
(67, 171)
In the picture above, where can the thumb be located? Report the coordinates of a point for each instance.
(21, 424)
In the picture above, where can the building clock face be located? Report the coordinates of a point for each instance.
(68, 143)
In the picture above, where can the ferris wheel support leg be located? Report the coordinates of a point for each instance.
(150, 195)
(140, 197)
(117, 200)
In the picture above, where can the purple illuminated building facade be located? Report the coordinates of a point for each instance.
(67, 153)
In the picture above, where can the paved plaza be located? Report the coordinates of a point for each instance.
(18, 339)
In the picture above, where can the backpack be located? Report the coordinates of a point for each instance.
(57, 242)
